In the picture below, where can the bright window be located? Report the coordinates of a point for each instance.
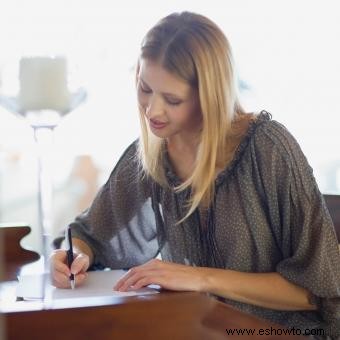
(286, 51)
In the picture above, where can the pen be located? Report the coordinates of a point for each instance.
(70, 255)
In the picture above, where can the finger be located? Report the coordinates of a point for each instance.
(150, 265)
(58, 255)
(80, 279)
(60, 280)
(62, 268)
(58, 260)
(125, 277)
(131, 281)
(80, 264)
(128, 277)
(145, 281)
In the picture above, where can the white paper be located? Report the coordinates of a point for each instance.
(98, 283)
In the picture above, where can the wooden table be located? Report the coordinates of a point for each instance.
(168, 315)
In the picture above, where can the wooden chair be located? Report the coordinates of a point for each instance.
(14, 256)
(333, 205)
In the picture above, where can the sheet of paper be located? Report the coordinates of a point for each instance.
(98, 283)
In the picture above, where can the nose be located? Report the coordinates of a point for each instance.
(154, 107)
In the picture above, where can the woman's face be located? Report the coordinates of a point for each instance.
(171, 105)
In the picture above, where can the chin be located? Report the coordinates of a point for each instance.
(160, 134)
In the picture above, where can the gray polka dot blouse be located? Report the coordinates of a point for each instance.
(267, 216)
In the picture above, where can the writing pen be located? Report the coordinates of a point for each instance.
(70, 255)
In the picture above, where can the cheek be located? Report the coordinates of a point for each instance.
(187, 117)
(183, 115)
(176, 114)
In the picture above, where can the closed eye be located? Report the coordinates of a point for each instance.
(171, 101)
(167, 97)
(144, 89)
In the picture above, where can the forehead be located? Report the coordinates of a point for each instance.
(161, 80)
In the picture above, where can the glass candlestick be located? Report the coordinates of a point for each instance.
(43, 123)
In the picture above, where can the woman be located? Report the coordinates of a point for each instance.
(227, 198)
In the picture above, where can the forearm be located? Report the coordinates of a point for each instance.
(269, 290)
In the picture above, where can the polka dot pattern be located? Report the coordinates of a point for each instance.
(269, 216)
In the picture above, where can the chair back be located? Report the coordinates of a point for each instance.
(14, 256)
(333, 205)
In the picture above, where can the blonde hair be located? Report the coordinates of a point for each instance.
(194, 48)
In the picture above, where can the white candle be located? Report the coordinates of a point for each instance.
(43, 84)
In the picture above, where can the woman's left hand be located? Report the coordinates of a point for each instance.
(168, 275)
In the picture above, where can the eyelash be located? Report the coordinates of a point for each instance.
(144, 90)
(167, 100)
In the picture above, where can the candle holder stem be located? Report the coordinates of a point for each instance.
(43, 137)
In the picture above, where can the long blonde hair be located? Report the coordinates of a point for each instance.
(194, 48)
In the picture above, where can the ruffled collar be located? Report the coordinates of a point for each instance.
(174, 180)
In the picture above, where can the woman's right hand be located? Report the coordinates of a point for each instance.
(60, 272)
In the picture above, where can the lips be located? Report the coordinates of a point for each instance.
(157, 124)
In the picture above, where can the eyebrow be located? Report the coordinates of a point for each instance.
(163, 93)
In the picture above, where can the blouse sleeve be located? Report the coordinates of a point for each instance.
(119, 226)
(301, 224)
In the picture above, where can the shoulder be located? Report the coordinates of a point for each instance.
(272, 139)
(277, 155)
(129, 155)
(131, 151)
(271, 132)
(127, 164)
(128, 173)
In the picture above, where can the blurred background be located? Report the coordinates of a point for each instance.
(287, 54)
